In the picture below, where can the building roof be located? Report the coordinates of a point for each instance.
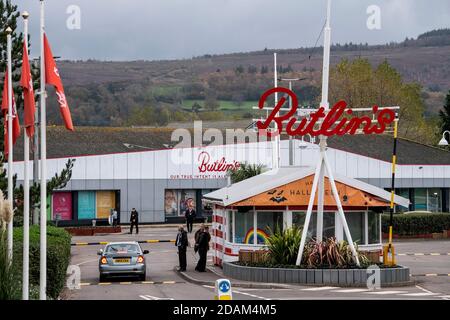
(106, 140)
(282, 176)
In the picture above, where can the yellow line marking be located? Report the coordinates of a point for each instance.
(104, 283)
(430, 274)
(125, 282)
(81, 244)
(174, 242)
(169, 282)
(104, 242)
(152, 241)
(448, 274)
(85, 284)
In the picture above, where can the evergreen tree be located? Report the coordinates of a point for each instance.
(444, 114)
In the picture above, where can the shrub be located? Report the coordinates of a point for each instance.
(9, 290)
(417, 223)
(331, 254)
(283, 245)
(58, 257)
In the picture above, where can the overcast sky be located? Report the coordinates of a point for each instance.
(169, 29)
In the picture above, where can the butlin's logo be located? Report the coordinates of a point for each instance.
(277, 196)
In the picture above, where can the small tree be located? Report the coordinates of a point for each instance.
(444, 114)
(245, 171)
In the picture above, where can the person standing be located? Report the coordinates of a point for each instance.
(203, 247)
(134, 221)
(197, 236)
(189, 214)
(114, 218)
(182, 243)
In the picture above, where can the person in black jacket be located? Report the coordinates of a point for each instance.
(182, 243)
(134, 221)
(203, 247)
(189, 214)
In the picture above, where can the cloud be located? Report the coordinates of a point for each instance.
(168, 29)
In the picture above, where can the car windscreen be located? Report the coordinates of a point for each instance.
(123, 248)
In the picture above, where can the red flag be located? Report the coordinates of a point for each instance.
(5, 109)
(28, 94)
(52, 77)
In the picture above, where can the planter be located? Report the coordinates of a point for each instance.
(340, 277)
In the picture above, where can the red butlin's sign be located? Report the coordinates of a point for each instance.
(339, 120)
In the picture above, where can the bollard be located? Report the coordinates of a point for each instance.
(223, 290)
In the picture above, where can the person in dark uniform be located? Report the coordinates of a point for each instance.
(182, 243)
(189, 214)
(134, 221)
(203, 247)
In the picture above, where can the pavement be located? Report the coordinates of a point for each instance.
(165, 283)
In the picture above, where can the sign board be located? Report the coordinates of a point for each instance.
(223, 290)
(86, 205)
(62, 205)
(339, 120)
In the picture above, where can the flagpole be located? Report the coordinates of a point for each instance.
(26, 189)
(10, 145)
(43, 210)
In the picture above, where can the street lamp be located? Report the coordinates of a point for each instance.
(291, 146)
(443, 141)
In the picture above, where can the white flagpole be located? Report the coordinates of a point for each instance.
(277, 136)
(10, 145)
(26, 190)
(43, 226)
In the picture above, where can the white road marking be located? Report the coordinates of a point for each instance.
(419, 294)
(148, 297)
(251, 295)
(423, 289)
(350, 290)
(319, 288)
(385, 292)
(87, 261)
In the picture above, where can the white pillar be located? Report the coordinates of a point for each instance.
(10, 144)
(26, 191)
(43, 220)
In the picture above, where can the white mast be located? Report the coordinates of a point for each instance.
(43, 210)
(26, 190)
(10, 144)
(323, 163)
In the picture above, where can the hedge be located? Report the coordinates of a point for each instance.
(58, 257)
(417, 223)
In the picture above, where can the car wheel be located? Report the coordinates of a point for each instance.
(142, 277)
(102, 278)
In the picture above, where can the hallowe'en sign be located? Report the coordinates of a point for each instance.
(297, 193)
(339, 120)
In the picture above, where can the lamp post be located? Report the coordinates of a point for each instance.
(443, 141)
(291, 147)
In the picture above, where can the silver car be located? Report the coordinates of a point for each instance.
(120, 259)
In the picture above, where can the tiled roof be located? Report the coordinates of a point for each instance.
(106, 140)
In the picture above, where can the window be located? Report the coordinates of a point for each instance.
(434, 200)
(230, 225)
(298, 219)
(328, 224)
(420, 199)
(355, 222)
(374, 227)
(402, 193)
(177, 201)
(244, 227)
(267, 224)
